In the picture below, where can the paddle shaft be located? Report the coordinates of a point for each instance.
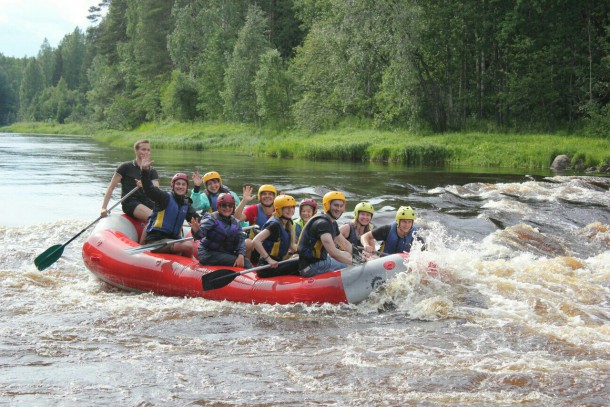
(266, 266)
(380, 254)
(127, 195)
(157, 245)
(214, 280)
(50, 256)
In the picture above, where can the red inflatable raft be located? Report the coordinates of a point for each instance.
(172, 275)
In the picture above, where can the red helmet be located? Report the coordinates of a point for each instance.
(178, 176)
(308, 202)
(225, 198)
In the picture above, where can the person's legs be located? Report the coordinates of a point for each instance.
(142, 212)
(249, 248)
(322, 266)
(137, 210)
(183, 248)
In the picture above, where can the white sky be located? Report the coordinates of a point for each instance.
(24, 24)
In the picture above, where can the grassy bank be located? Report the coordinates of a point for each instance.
(458, 149)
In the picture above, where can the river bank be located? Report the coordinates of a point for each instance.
(495, 150)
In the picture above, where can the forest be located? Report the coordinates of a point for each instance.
(434, 66)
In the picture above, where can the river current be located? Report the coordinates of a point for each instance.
(522, 318)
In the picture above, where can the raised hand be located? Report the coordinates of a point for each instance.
(146, 164)
(247, 194)
(197, 180)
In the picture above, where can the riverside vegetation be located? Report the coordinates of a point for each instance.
(476, 149)
(448, 82)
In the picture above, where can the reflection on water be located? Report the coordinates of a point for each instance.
(520, 314)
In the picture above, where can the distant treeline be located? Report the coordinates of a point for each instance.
(436, 65)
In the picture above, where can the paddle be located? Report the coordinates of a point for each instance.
(223, 277)
(50, 256)
(154, 246)
(157, 245)
(378, 253)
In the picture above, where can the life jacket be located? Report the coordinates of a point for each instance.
(395, 244)
(353, 237)
(277, 249)
(299, 224)
(169, 220)
(310, 248)
(261, 219)
(213, 197)
(220, 238)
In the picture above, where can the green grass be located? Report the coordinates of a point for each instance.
(477, 149)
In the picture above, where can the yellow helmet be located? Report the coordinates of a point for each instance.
(331, 196)
(211, 175)
(405, 212)
(281, 202)
(266, 188)
(363, 207)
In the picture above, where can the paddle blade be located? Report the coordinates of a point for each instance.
(218, 279)
(49, 256)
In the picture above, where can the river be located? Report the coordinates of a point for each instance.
(523, 320)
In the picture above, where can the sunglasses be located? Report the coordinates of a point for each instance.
(226, 205)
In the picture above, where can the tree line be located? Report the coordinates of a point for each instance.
(439, 65)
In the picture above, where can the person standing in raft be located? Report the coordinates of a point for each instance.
(205, 200)
(363, 214)
(397, 237)
(256, 214)
(320, 239)
(169, 213)
(129, 174)
(222, 238)
(276, 241)
(307, 208)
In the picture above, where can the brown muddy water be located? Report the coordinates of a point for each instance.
(524, 319)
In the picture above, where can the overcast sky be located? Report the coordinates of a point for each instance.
(24, 24)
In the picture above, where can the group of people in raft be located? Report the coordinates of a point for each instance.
(321, 245)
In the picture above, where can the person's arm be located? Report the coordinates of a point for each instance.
(339, 255)
(244, 201)
(241, 250)
(258, 246)
(237, 200)
(420, 239)
(368, 242)
(343, 243)
(344, 229)
(116, 178)
(191, 213)
(206, 223)
(199, 197)
(200, 200)
(154, 176)
(154, 193)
